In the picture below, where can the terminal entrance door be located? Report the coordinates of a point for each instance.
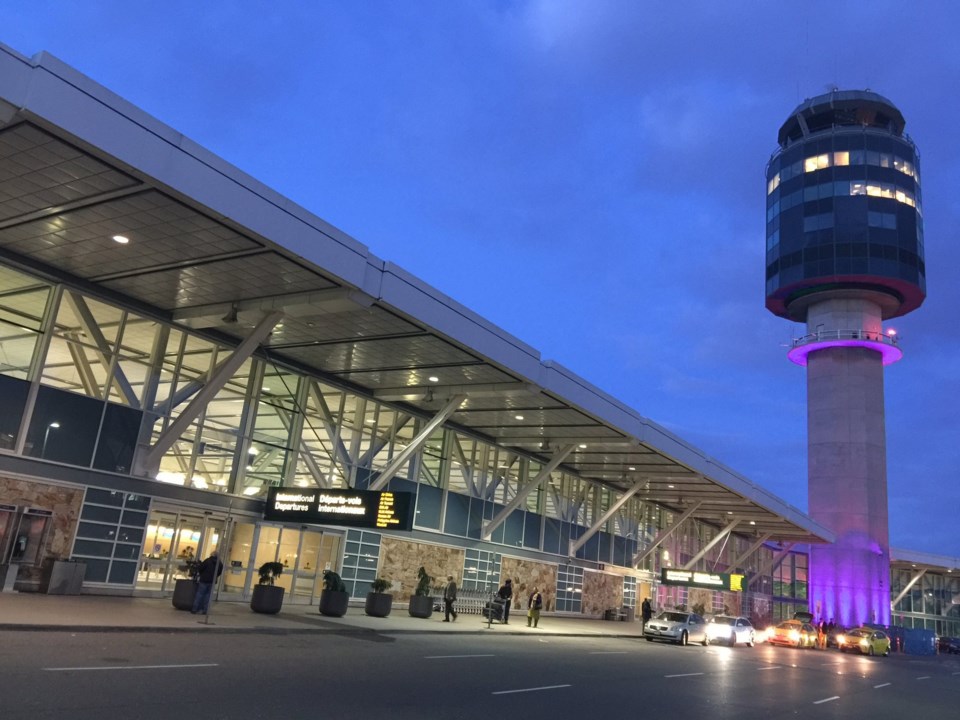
(173, 538)
(303, 551)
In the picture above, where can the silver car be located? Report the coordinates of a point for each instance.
(731, 630)
(679, 627)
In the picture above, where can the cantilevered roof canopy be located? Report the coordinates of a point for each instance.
(207, 244)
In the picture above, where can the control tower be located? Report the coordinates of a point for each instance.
(845, 254)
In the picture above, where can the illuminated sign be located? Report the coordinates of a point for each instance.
(352, 508)
(694, 578)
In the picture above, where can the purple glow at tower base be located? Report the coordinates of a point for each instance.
(849, 582)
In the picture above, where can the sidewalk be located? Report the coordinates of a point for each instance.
(97, 613)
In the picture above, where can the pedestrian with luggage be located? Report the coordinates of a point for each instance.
(534, 605)
(505, 594)
(449, 597)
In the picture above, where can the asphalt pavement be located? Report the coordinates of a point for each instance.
(98, 613)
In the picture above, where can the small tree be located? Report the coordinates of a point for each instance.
(380, 585)
(269, 572)
(332, 581)
(423, 582)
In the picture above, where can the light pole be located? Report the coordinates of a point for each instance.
(46, 436)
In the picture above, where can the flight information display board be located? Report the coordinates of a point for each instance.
(694, 578)
(375, 510)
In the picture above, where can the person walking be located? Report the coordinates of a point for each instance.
(505, 593)
(646, 612)
(449, 597)
(534, 605)
(207, 574)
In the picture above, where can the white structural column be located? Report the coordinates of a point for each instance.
(771, 566)
(913, 581)
(386, 475)
(665, 533)
(709, 546)
(552, 464)
(580, 541)
(739, 561)
(148, 462)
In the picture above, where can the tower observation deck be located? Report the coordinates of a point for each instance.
(844, 253)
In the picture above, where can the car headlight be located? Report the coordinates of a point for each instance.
(841, 639)
(794, 635)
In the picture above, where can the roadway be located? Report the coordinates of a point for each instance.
(94, 675)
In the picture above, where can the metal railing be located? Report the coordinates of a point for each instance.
(829, 335)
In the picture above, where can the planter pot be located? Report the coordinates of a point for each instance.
(334, 603)
(421, 606)
(267, 599)
(378, 604)
(183, 593)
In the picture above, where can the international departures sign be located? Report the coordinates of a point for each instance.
(371, 509)
(693, 578)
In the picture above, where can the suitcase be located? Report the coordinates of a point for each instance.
(493, 610)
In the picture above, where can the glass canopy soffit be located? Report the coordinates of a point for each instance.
(62, 208)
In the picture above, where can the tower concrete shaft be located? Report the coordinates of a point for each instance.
(847, 468)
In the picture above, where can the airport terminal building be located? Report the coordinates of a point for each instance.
(180, 346)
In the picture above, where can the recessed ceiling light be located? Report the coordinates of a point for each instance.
(122, 239)
(753, 522)
(729, 512)
(583, 446)
(631, 468)
(433, 378)
(518, 417)
(670, 486)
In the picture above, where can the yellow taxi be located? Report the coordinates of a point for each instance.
(793, 633)
(868, 641)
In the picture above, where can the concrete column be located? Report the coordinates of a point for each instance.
(847, 466)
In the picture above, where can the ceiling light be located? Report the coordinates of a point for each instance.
(252, 451)
(518, 417)
(583, 446)
(433, 378)
(631, 468)
(753, 522)
(122, 239)
(670, 486)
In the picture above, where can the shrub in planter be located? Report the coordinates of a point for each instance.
(268, 598)
(334, 598)
(378, 602)
(421, 604)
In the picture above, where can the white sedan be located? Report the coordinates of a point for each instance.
(731, 630)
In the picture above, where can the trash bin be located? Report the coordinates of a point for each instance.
(610, 614)
(63, 577)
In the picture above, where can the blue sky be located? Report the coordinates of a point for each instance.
(587, 175)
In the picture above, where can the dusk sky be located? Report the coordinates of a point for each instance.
(587, 175)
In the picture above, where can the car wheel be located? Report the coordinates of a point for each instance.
(799, 643)
(683, 638)
(751, 641)
(870, 651)
(649, 639)
(706, 640)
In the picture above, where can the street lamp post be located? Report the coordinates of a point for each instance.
(46, 436)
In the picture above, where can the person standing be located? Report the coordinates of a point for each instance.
(449, 597)
(505, 593)
(207, 574)
(646, 612)
(534, 605)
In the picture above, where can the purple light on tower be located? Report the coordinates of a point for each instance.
(844, 254)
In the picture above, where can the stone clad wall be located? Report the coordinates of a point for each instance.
(65, 502)
(601, 591)
(400, 560)
(527, 574)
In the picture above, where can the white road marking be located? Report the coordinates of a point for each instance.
(923, 677)
(545, 687)
(444, 657)
(684, 675)
(829, 699)
(770, 667)
(880, 686)
(608, 652)
(956, 673)
(132, 667)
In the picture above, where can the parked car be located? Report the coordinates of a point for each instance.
(731, 630)
(793, 633)
(948, 645)
(678, 627)
(868, 641)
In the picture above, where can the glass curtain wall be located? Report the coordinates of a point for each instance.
(103, 372)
